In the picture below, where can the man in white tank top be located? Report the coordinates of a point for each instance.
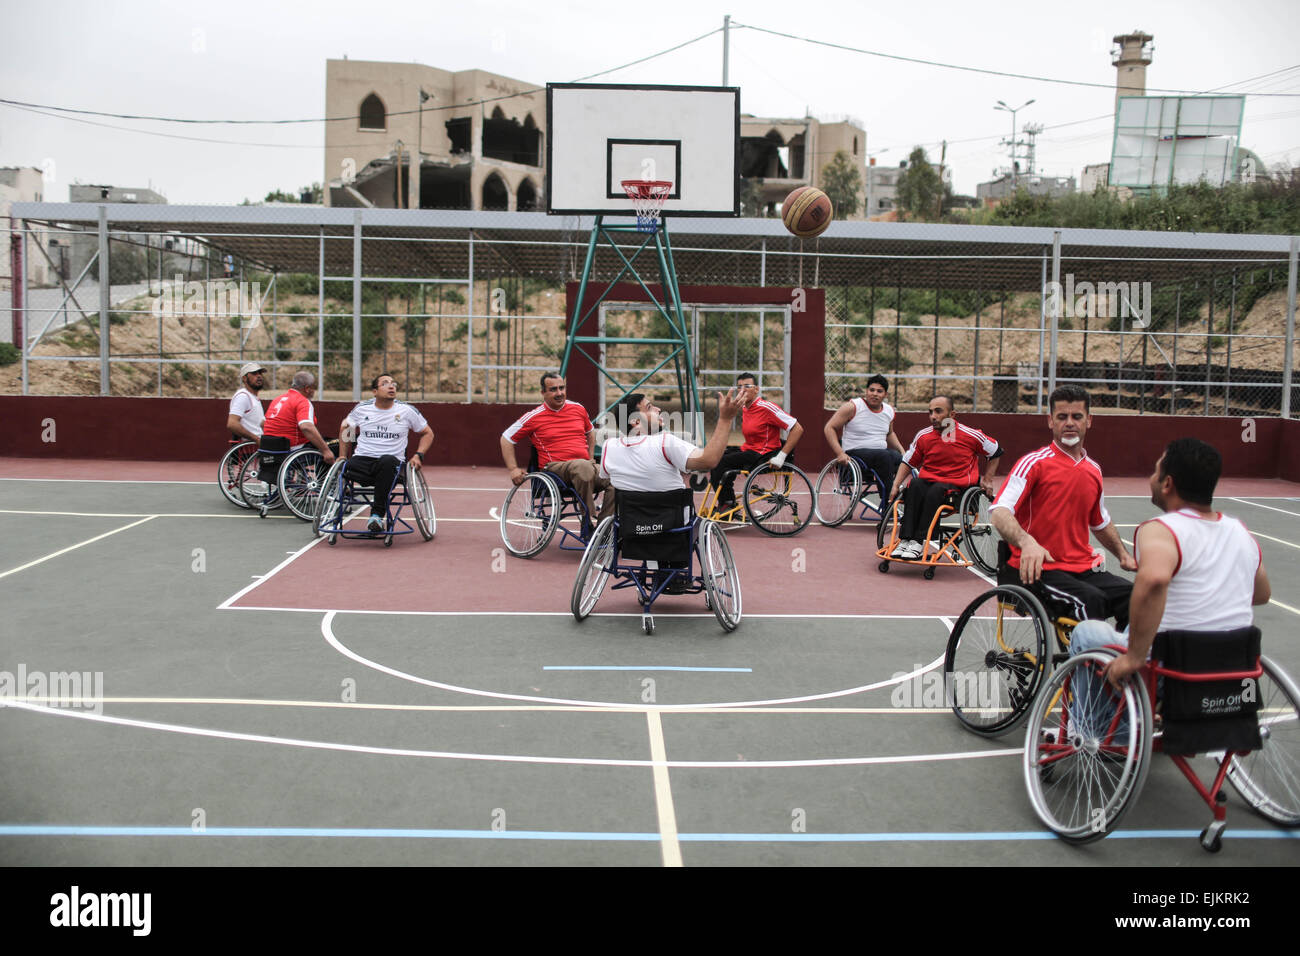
(867, 425)
(1198, 569)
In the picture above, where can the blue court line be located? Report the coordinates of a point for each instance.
(37, 829)
(648, 667)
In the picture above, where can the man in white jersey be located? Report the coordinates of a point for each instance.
(245, 416)
(650, 459)
(1198, 569)
(379, 429)
(867, 425)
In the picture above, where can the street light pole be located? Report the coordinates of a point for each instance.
(1015, 173)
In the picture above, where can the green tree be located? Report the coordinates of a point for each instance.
(842, 182)
(919, 187)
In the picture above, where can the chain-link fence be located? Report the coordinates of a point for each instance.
(471, 307)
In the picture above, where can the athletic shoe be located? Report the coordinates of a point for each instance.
(907, 550)
(375, 525)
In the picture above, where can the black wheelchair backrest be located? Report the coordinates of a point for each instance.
(1215, 714)
(647, 520)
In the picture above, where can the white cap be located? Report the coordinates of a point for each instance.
(250, 367)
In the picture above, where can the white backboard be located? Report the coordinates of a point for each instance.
(599, 135)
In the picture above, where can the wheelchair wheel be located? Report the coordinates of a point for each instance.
(300, 481)
(417, 492)
(530, 515)
(593, 572)
(1087, 749)
(256, 493)
(838, 489)
(779, 501)
(891, 512)
(721, 580)
(228, 471)
(997, 657)
(979, 537)
(329, 506)
(1269, 778)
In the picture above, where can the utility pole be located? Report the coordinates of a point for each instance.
(1031, 130)
(943, 155)
(414, 200)
(1015, 170)
(726, 46)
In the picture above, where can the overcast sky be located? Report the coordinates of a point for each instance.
(266, 60)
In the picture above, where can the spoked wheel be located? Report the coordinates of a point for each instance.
(839, 487)
(779, 501)
(721, 580)
(300, 481)
(891, 513)
(255, 490)
(979, 537)
(1087, 749)
(530, 515)
(1269, 778)
(593, 572)
(329, 504)
(228, 471)
(996, 660)
(417, 492)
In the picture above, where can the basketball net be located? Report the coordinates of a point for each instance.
(648, 197)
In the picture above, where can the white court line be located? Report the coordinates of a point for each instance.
(74, 547)
(123, 514)
(509, 758)
(635, 614)
(293, 556)
(1285, 607)
(483, 708)
(115, 481)
(671, 848)
(327, 631)
(1294, 514)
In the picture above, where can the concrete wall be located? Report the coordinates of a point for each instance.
(193, 429)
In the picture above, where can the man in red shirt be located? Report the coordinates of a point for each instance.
(291, 420)
(947, 455)
(761, 422)
(1046, 507)
(562, 433)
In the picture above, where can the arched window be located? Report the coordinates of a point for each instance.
(497, 114)
(526, 197)
(495, 194)
(373, 114)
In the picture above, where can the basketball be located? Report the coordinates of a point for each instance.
(807, 212)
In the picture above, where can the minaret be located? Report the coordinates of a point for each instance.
(1131, 58)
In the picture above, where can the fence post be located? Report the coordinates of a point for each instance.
(356, 306)
(1290, 326)
(105, 277)
(320, 313)
(1042, 329)
(1056, 310)
(469, 321)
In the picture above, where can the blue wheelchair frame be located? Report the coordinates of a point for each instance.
(651, 582)
(870, 478)
(571, 505)
(342, 494)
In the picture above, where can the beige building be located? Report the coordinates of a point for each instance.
(21, 184)
(779, 155)
(479, 138)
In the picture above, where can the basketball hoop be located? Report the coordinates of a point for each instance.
(648, 197)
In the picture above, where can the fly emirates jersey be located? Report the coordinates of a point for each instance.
(1057, 500)
(383, 431)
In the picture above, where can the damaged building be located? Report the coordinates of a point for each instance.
(409, 136)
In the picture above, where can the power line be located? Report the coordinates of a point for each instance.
(969, 69)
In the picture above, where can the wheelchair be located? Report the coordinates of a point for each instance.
(777, 501)
(1002, 647)
(228, 470)
(973, 542)
(843, 489)
(1088, 747)
(296, 483)
(536, 508)
(653, 543)
(341, 495)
